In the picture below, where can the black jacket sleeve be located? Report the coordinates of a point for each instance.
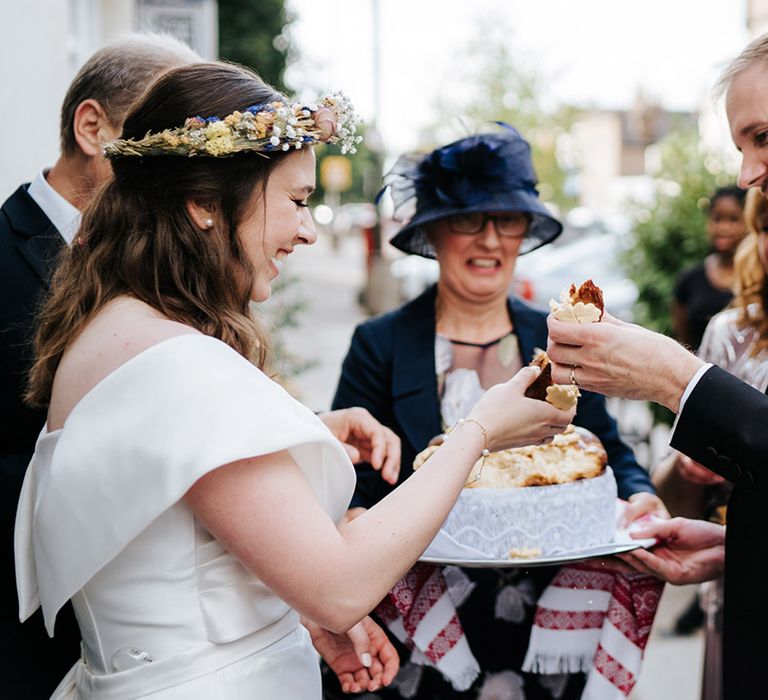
(724, 425)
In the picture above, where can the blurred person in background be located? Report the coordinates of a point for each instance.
(424, 366)
(700, 292)
(736, 339)
(704, 289)
(36, 222)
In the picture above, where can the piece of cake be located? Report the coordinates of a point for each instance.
(583, 304)
(552, 498)
(543, 388)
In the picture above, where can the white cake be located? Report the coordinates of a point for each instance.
(531, 521)
(497, 517)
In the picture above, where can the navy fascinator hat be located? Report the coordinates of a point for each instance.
(489, 172)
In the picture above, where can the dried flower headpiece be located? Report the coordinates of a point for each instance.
(276, 126)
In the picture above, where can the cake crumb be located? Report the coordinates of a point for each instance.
(524, 553)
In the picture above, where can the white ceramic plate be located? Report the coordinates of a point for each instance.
(564, 558)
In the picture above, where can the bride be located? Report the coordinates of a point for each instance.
(184, 502)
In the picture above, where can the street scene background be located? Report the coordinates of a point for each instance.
(615, 99)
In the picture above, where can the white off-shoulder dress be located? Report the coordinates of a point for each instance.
(164, 610)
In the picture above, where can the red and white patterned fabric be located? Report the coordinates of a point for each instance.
(421, 612)
(596, 621)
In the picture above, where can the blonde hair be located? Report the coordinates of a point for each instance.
(750, 280)
(754, 53)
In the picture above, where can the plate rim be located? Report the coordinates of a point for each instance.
(564, 558)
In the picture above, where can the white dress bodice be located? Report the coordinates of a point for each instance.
(101, 518)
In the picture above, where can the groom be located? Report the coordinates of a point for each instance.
(722, 422)
(36, 221)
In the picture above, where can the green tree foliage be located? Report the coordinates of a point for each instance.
(502, 84)
(670, 235)
(254, 33)
(366, 173)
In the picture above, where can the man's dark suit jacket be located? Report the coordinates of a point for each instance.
(31, 664)
(724, 425)
(390, 370)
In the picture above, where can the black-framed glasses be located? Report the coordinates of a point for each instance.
(512, 224)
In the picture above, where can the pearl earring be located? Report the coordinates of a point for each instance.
(208, 223)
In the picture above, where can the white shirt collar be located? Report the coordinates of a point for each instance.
(63, 215)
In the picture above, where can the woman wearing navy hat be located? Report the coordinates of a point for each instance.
(422, 367)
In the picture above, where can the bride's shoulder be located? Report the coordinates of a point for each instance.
(123, 329)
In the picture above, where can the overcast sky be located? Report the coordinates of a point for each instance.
(598, 52)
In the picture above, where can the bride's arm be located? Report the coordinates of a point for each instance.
(264, 512)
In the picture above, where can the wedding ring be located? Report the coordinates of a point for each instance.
(573, 375)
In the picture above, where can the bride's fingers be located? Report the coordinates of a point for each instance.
(347, 682)
(527, 375)
(361, 643)
(362, 680)
(391, 467)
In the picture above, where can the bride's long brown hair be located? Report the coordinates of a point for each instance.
(137, 238)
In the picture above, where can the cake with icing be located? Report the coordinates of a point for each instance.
(540, 500)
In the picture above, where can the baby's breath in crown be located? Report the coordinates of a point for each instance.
(276, 126)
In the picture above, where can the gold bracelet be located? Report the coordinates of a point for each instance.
(485, 452)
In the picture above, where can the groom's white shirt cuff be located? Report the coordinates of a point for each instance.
(688, 390)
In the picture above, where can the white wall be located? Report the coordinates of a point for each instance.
(44, 43)
(34, 74)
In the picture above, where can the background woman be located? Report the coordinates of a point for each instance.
(736, 339)
(703, 290)
(182, 500)
(423, 366)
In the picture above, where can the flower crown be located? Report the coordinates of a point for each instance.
(275, 126)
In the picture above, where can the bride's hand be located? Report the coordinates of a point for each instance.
(366, 440)
(511, 419)
(363, 659)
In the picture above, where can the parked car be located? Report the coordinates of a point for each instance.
(543, 274)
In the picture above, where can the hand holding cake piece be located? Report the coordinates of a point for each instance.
(543, 388)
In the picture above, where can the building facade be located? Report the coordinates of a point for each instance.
(44, 44)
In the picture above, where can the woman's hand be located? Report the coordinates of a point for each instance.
(643, 505)
(511, 419)
(689, 551)
(696, 473)
(363, 659)
(366, 440)
(620, 359)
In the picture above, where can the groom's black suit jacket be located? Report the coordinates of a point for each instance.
(31, 664)
(724, 425)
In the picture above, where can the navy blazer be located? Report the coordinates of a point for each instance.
(31, 664)
(724, 425)
(390, 370)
